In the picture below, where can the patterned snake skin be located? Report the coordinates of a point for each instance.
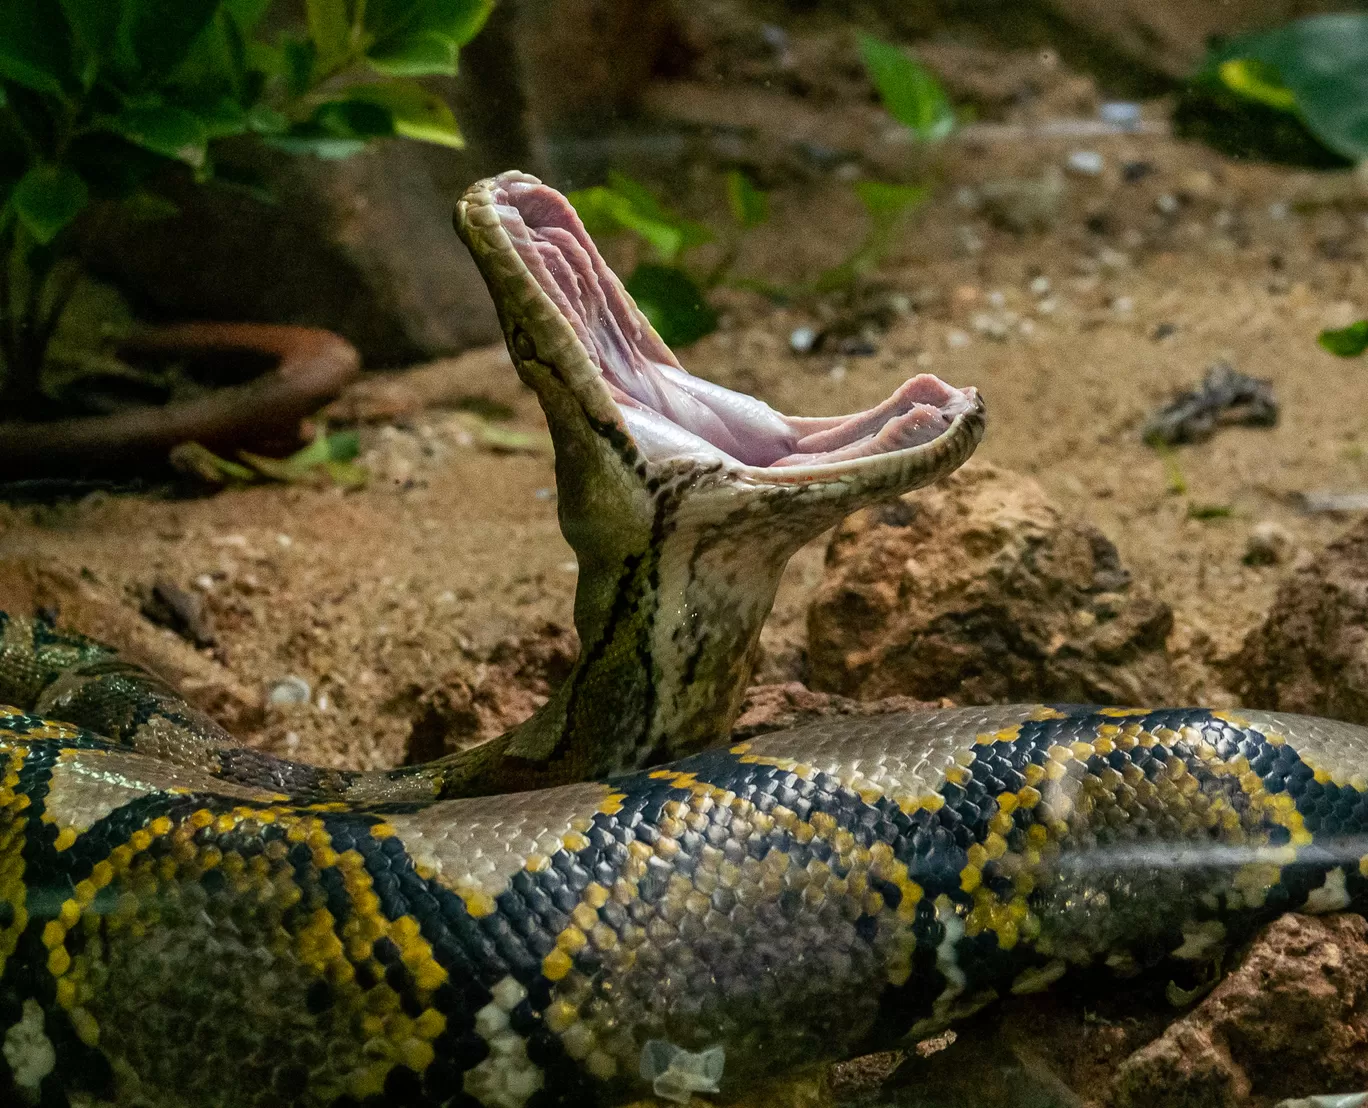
(213, 936)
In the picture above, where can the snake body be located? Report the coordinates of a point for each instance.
(186, 923)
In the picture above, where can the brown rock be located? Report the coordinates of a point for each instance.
(777, 707)
(979, 590)
(1311, 654)
(1291, 1021)
(475, 703)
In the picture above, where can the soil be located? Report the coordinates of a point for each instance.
(1168, 260)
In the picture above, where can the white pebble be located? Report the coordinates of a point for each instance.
(288, 690)
(1040, 286)
(1087, 163)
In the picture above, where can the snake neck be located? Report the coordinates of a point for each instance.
(669, 620)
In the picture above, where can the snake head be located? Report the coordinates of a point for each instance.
(630, 424)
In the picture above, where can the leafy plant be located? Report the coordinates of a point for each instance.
(668, 294)
(1346, 342)
(99, 97)
(1310, 74)
(327, 458)
(886, 206)
(908, 90)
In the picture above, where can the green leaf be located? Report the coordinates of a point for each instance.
(673, 303)
(421, 55)
(910, 93)
(94, 25)
(457, 20)
(627, 205)
(246, 13)
(299, 57)
(1346, 342)
(47, 198)
(265, 120)
(1321, 61)
(887, 203)
(170, 131)
(749, 206)
(1258, 82)
(415, 112)
(35, 45)
(344, 446)
(155, 35)
(358, 119)
(329, 27)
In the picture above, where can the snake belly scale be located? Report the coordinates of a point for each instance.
(188, 924)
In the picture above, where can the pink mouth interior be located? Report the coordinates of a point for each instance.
(669, 411)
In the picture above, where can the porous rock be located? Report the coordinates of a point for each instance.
(1291, 1021)
(477, 702)
(1310, 654)
(788, 704)
(980, 590)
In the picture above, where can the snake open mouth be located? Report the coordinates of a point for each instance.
(540, 261)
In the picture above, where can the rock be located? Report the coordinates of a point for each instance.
(1310, 654)
(1291, 1021)
(791, 704)
(979, 590)
(1268, 544)
(475, 703)
(288, 691)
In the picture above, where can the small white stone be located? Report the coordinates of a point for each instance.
(802, 339)
(284, 541)
(288, 690)
(1167, 203)
(837, 372)
(1269, 544)
(1086, 163)
(956, 339)
(1040, 286)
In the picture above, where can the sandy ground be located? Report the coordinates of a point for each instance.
(372, 596)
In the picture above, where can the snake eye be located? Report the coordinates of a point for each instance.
(524, 345)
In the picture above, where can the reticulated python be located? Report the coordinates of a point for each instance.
(186, 923)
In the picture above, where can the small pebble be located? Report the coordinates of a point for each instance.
(837, 372)
(956, 339)
(1122, 304)
(1086, 163)
(204, 582)
(1277, 210)
(544, 494)
(288, 690)
(802, 339)
(1167, 203)
(990, 325)
(1048, 306)
(1040, 286)
(1269, 544)
(284, 541)
(996, 299)
(1120, 113)
(924, 360)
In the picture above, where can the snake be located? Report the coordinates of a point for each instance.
(615, 901)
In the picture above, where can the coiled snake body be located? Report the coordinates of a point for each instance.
(613, 901)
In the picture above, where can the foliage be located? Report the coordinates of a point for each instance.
(327, 458)
(887, 206)
(99, 96)
(910, 93)
(1346, 342)
(1312, 73)
(668, 295)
